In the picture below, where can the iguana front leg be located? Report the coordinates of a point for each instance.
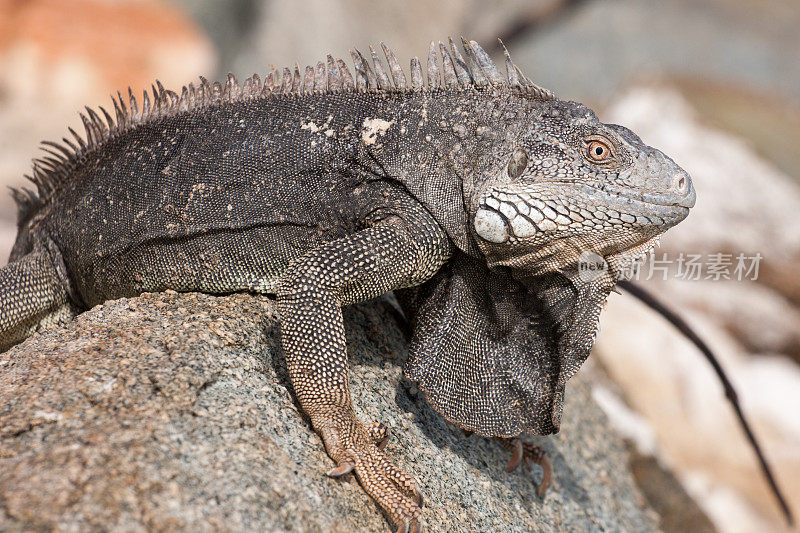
(32, 295)
(392, 254)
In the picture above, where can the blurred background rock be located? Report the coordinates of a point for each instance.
(714, 83)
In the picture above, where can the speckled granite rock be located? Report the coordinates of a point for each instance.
(172, 412)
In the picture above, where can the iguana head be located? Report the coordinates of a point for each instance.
(570, 184)
(515, 327)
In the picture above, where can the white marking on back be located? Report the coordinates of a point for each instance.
(372, 128)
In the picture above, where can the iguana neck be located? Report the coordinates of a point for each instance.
(443, 144)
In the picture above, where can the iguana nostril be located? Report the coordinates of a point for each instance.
(683, 187)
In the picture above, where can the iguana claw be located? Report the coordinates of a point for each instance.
(524, 451)
(517, 454)
(409, 527)
(342, 469)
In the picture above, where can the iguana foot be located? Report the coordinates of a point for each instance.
(356, 447)
(524, 452)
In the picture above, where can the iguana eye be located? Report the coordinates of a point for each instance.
(519, 160)
(598, 151)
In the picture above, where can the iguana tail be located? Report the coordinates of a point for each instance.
(32, 296)
(652, 302)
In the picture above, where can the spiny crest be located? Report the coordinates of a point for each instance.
(454, 72)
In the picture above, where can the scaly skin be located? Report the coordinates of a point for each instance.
(473, 196)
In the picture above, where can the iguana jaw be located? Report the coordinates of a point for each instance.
(565, 255)
(546, 228)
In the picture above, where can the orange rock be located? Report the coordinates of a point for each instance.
(84, 49)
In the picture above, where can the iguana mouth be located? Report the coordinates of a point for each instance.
(645, 197)
(651, 197)
(648, 197)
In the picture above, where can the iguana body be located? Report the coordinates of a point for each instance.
(476, 192)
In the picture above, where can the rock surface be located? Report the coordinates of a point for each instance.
(171, 411)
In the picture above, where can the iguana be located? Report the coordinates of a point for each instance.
(472, 195)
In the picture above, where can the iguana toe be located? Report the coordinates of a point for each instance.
(394, 490)
(517, 453)
(410, 527)
(526, 452)
(379, 434)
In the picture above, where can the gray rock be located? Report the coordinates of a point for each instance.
(252, 34)
(174, 412)
(602, 44)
